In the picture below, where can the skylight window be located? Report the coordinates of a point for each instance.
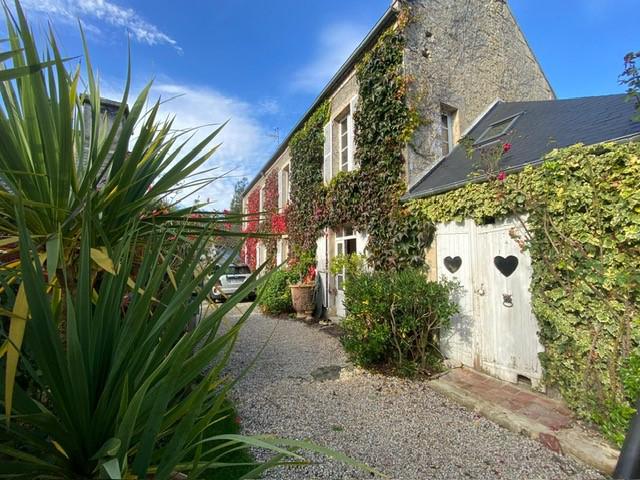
(497, 129)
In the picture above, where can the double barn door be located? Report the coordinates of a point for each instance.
(496, 331)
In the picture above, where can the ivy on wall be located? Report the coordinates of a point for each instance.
(270, 210)
(583, 207)
(251, 228)
(367, 198)
(307, 147)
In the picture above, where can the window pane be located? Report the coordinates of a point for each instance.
(446, 147)
(340, 248)
(339, 280)
(348, 231)
(350, 246)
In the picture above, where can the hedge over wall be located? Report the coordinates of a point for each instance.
(583, 207)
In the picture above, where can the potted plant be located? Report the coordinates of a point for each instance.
(302, 293)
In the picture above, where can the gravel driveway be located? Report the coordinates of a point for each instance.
(400, 427)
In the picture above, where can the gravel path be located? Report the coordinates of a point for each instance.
(400, 427)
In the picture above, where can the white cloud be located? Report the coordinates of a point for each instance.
(105, 12)
(335, 43)
(245, 144)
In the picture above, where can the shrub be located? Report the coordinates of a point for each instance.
(395, 319)
(276, 295)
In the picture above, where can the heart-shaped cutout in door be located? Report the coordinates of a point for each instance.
(452, 263)
(506, 266)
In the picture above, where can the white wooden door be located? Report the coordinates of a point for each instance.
(496, 330)
(509, 330)
(455, 262)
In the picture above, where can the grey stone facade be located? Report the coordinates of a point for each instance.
(463, 55)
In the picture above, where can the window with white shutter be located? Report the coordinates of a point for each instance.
(326, 171)
(353, 162)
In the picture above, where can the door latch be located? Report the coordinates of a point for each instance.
(480, 292)
(507, 300)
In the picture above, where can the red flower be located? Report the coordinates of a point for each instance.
(506, 147)
(501, 176)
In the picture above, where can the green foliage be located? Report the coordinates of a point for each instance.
(306, 148)
(124, 391)
(276, 295)
(395, 319)
(583, 207)
(631, 78)
(367, 198)
(353, 264)
(238, 191)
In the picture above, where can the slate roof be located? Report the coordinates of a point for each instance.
(541, 127)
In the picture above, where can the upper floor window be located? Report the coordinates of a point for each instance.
(446, 132)
(345, 146)
(285, 190)
(340, 143)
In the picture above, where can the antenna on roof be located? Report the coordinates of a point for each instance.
(275, 135)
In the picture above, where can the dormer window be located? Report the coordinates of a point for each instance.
(496, 130)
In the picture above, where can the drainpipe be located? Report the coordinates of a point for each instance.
(628, 466)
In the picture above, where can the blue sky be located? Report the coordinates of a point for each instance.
(261, 63)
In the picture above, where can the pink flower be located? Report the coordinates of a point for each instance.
(501, 176)
(506, 147)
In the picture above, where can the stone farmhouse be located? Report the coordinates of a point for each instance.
(462, 56)
(432, 81)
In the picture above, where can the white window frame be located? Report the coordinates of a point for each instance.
(449, 115)
(341, 241)
(284, 195)
(344, 148)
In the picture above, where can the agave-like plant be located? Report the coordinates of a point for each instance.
(59, 153)
(123, 395)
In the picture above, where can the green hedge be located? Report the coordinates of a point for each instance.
(584, 239)
(395, 319)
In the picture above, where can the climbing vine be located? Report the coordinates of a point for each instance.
(306, 147)
(583, 224)
(251, 228)
(367, 198)
(270, 211)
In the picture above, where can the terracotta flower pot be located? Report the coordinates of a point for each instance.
(302, 299)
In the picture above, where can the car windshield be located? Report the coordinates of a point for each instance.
(238, 270)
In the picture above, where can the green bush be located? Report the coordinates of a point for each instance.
(395, 318)
(275, 298)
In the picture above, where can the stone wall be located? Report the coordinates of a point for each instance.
(464, 54)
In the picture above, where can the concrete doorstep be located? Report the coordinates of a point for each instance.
(528, 413)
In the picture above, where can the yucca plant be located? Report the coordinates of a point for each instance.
(123, 394)
(59, 153)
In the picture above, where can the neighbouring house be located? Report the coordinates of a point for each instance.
(108, 113)
(496, 330)
(422, 76)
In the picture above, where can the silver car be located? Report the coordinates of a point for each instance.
(231, 281)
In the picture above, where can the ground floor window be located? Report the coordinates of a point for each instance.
(346, 244)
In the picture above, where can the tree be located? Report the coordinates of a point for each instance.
(631, 78)
(238, 191)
